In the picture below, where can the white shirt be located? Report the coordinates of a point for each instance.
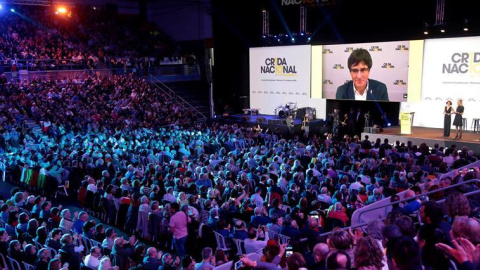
(357, 94)
(91, 261)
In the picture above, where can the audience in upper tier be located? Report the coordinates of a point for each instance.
(38, 38)
(141, 165)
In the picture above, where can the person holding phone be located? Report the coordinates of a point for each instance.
(208, 260)
(361, 87)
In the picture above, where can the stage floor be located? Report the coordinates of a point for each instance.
(430, 136)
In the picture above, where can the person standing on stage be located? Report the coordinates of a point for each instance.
(306, 125)
(336, 122)
(457, 121)
(447, 120)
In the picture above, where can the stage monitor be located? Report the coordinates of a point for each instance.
(395, 73)
(279, 76)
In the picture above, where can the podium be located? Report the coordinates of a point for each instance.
(406, 121)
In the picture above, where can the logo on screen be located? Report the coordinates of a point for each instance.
(327, 51)
(375, 49)
(348, 49)
(338, 66)
(279, 67)
(399, 82)
(462, 63)
(401, 48)
(327, 82)
(388, 65)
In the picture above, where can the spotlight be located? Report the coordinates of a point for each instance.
(426, 27)
(389, 124)
(442, 30)
(466, 25)
(293, 39)
(61, 10)
(1, 7)
(12, 10)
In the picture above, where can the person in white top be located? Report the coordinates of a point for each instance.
(92, 259)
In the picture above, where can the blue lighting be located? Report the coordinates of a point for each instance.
(389, 124)
(1, 7)
(293, 39)
(12, 10)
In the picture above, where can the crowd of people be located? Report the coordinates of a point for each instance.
(38, 38)
(139, 162)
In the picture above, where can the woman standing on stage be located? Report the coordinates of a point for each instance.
(457, 121)
(447, 120)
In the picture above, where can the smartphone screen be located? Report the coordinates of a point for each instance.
(288, 251)
(238, 265)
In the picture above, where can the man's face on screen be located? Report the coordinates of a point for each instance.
(359, 73)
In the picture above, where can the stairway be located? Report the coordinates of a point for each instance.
(194, 92)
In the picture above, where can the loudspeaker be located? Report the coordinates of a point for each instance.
(261, 119)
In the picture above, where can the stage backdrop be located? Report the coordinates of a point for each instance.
(279, 75)
(390, 66)
(451, 70)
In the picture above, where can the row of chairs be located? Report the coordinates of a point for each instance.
(14, 264)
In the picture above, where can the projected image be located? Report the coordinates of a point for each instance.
(279, 78)
(367, 71)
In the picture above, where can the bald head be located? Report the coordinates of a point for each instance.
(152, 252)
(320, 251)
(409, 194)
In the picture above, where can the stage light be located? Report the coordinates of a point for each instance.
(12, 10)
(389, 124)
(466, 25)
(442, 30)
(61, 10)
(1, 7)
(426, 29)
(293, 39)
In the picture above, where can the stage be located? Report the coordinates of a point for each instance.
(430, 136)
(419, 135)
(274, 122)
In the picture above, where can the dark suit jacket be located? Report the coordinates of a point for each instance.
(376, 91)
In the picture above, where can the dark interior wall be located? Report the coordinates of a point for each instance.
(237, 26)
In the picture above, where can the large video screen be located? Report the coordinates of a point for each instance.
(387, 80)
(279, 78)
(451, 71)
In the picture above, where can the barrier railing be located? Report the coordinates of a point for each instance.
(182, 102)
(468, 194)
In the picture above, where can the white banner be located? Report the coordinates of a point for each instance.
(451, 70)
(279, 76)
